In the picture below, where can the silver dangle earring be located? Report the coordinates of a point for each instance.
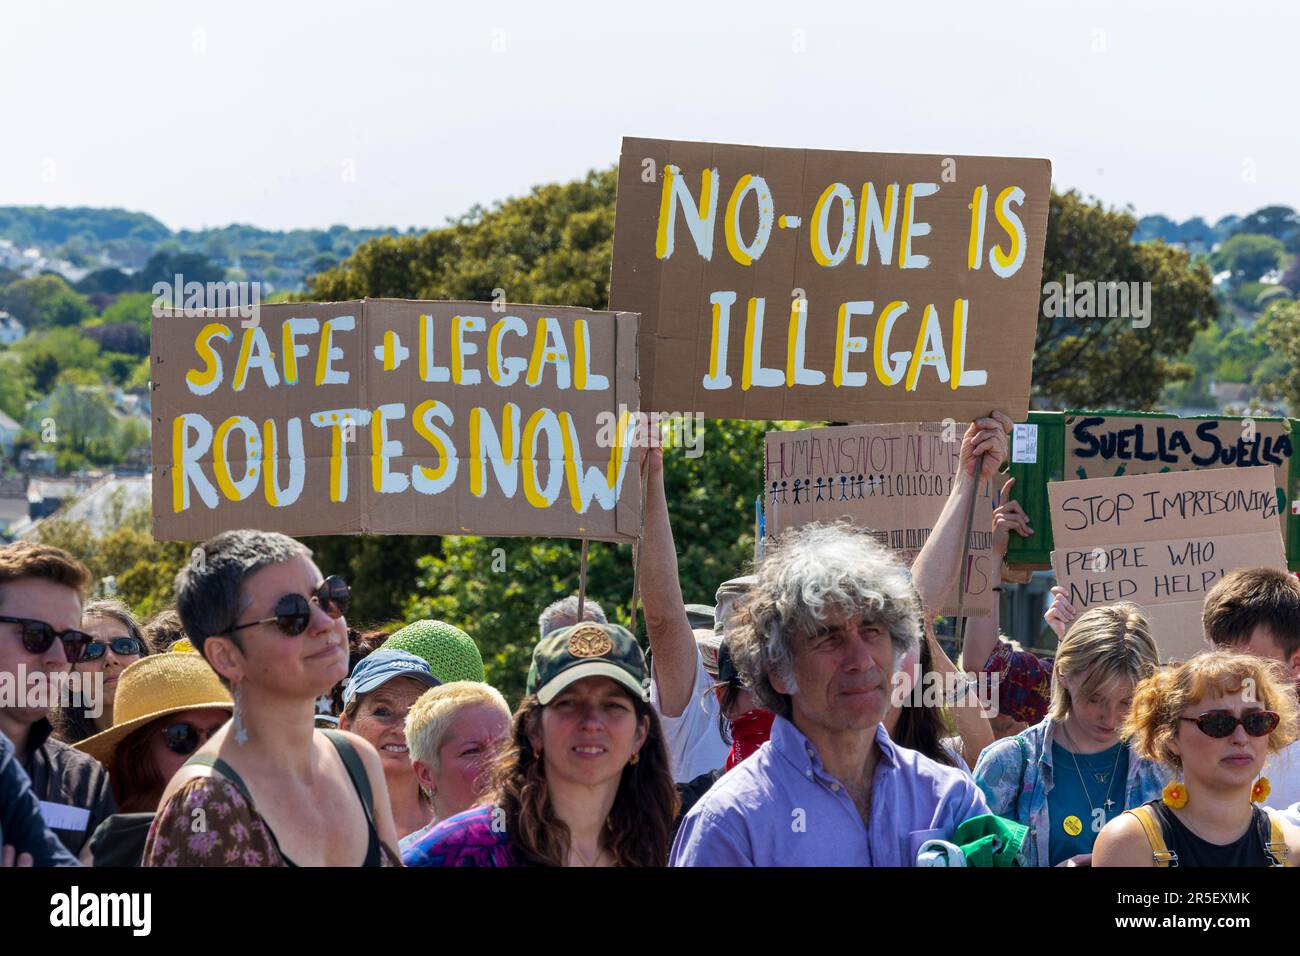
(236, 719)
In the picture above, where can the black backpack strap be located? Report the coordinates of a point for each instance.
(223, 768)
(356, 770)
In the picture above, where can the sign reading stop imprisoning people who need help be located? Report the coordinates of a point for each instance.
(396, 417)
(1163, 541)
(802, 284)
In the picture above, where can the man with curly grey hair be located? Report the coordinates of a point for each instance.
(818, 639)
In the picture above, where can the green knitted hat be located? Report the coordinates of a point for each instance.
(451, 653)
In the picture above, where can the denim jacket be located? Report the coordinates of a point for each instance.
(1015, 774)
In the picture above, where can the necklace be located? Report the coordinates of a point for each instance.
(600, 852)
(1088, 796)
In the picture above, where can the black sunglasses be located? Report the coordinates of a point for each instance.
(38, 636)
(122, 647)
(293, 611)
(1220, 724)
(184, 739)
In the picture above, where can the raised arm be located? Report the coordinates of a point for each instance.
(672, 643)
(981, 634)
(935, 570)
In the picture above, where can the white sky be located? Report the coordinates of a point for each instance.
(288, 114)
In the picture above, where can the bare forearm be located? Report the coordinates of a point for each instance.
(935, 570)
(672, 643)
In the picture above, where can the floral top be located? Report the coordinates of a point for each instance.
(467, 839)
(209, 822)
(1015, 774)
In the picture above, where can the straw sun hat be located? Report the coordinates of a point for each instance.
(154, 687)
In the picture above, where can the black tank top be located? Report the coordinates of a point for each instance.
(1248, 850)
(356, 773)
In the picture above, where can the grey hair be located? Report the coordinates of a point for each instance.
(209, 590)
(565, 612)
(807, 575)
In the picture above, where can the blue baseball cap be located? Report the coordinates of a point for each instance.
(376, 669)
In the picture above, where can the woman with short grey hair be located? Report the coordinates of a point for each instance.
(809, 576)
(272, 627)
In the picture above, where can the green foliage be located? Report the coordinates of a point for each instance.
(1095, 363)
(134, 308)
(45, 301)
(1280, 222)
(1248, 256)
(144, 568)
(1280, 327)
(14, 384)
(37, 224)
(45, 355)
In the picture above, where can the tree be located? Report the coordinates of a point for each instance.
(134, 308)
(166, 266)
(1280, 222)
(46, 354)
(83, 418)
(45, 301)
(1248, 256)
(1107, 362)
(14, 385)
(1281, 329)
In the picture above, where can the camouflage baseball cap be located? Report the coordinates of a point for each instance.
(587, 649)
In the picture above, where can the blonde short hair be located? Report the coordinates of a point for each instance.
(1159, 701)
(431, 716)
(1105, 644)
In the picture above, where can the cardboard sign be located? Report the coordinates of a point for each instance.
(1163, 541)
(891, 479)
(397, 417)
(1102, 446)
(803, 284)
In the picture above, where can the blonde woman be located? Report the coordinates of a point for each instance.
(1070, 774)
(452, 732)
(1214, 720)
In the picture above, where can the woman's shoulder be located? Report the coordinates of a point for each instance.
(1013, 750)
(1123, 841)
(477, 837)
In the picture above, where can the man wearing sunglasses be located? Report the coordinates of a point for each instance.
(1257, 611)
(40, 638)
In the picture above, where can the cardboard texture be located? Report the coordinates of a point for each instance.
(891, 479)
(1163, 541)
(1103, 446)
(783, 251)
(413, 373)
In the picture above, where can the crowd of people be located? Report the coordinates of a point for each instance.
(250, 726)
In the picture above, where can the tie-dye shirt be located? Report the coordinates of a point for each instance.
(467, 839)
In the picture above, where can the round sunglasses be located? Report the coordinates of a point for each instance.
(293, 611)
(1220, 724)
(37, 637)
(121, 646)
(184, 739)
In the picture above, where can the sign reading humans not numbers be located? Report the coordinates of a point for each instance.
(397, 417)
(891, 479)
(805, 284)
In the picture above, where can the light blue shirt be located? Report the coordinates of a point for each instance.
(781, 808)
(1016, 776)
